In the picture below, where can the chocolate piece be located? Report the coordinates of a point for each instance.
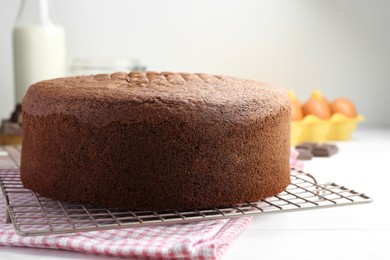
(16, 114)
(304, 154)
(325, 150)
(309, 146)
(308, 149)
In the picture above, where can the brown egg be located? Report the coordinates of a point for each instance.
(317, 105)
(296, 107)
(296, 110)
(343, 106)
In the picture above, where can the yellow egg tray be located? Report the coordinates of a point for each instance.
(314, 129)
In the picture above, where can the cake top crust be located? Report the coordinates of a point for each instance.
(140, 96)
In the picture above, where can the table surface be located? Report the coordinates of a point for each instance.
(353, 232)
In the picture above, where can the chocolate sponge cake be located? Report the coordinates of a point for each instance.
(155, 141)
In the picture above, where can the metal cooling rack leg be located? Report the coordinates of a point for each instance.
(305, 174)
(7, 217)
(6, 203)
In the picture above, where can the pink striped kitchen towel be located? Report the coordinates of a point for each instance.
(294, 162)
(198, 240)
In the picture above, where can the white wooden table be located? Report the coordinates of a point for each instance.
(355, 232)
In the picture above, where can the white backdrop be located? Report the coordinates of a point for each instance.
(341, 47)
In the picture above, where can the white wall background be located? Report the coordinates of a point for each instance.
(341, 47)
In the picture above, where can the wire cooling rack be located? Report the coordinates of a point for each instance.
(34, 215)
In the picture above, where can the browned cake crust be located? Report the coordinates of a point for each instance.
(155, 141)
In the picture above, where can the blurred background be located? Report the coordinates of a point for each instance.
(340, 47)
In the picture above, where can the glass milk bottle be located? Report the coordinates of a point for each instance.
(39, 46)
